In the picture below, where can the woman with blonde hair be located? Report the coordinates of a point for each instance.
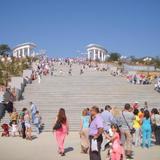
(84, 127)
(116, 112)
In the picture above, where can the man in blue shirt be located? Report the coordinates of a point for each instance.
(33, 110)
(95, 132)
(107, 117)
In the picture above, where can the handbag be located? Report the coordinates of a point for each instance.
(132, 130)
(57, 125)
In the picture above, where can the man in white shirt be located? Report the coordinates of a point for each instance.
(108, 119)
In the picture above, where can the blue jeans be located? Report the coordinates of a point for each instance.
(33, 117)
(146, 137)
(37, 128)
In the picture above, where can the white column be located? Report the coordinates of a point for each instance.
(102, 58)
(28, 52)
(14, 54)
(19, 53)
(94, 54)
(89, 55)
(23, 53)
(99, 54)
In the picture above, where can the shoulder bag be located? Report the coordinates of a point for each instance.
(132, 130)
(57, 125)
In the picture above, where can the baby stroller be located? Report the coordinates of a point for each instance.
(5, 128)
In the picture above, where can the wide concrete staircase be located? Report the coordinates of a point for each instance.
(80, 91)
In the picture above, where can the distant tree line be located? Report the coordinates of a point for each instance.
(117, 57)
(114, 56)
(153, 61)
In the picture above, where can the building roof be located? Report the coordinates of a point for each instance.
(95, 45)
(24, 44)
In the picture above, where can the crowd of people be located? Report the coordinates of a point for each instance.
(139, 79)
(21, 123)
(113, 129)
(157, 85)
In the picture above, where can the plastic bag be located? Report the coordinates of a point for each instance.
(94, 146)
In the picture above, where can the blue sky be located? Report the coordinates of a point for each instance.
(63, 27)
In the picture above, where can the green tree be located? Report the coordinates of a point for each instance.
(2, 77)
(114, 56)
(4, 49)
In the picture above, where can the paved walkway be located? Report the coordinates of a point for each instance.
(44, 148)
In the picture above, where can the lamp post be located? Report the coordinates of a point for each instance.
(6, 61)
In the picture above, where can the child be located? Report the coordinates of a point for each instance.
(81, 71)
(39, 78)
(61, 72)
(137, 127)
(141, 113)
(37, 122)
(70, 72)
(14, 128)
(5, 128)
(146, 129)
(28, 129)
(117, 150)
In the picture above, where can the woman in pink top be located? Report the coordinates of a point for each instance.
(117, 151)
(61, 133)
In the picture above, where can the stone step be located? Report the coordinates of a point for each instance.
(77, 92)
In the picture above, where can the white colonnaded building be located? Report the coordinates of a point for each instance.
(24, 50)
(96, 52)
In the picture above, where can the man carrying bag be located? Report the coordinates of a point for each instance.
(95, 134)
(127, 130)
